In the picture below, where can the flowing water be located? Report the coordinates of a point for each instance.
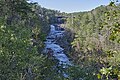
(57, 51)
(52, 48)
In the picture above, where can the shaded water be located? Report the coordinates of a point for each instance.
(52, 48)
(57, 51)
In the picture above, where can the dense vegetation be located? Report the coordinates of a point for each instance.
(96, 41)
(23, 28)
(93, 42)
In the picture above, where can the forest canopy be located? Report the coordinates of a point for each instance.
(91, 40)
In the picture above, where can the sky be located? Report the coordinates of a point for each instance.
(71, 5)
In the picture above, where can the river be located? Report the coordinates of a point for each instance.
(53, 49)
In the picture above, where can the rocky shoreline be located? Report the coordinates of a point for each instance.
(65, 41)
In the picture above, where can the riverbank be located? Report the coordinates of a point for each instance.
(65, 41)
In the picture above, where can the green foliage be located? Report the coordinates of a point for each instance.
(109, 73)
(23, 28)
(97, 38)
(95, 45)
(112, 72)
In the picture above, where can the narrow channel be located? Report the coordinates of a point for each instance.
(51, 44)
(54, 50)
